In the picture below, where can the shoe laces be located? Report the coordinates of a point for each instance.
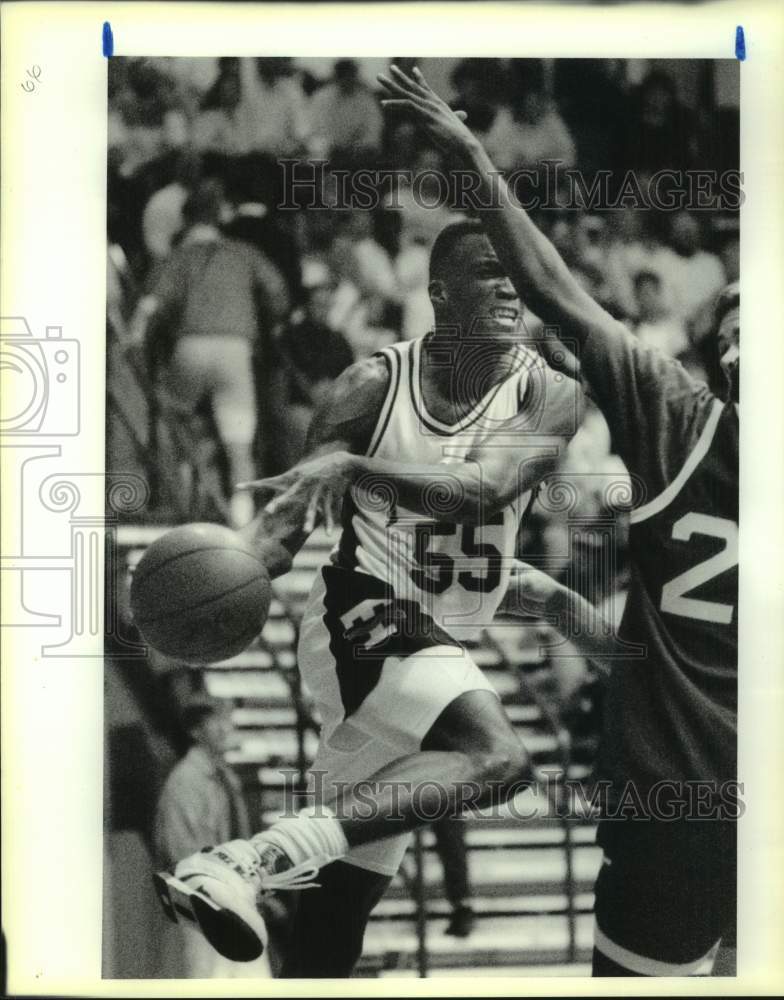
(295, 878)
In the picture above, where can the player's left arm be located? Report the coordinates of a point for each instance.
(508, 462)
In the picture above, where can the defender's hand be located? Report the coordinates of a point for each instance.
(415, 98)
(531, 592)
(310, 492)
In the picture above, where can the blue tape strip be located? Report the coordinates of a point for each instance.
(740, 43)
(108, 40)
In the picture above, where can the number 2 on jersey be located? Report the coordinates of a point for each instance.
(673, 598)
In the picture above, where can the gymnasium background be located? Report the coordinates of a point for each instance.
(212, 133)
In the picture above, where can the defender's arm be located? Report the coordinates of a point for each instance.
(533, 592)
(653, 407)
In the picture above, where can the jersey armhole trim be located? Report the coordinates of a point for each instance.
(531, 386)
(665, 498)
(392, 359)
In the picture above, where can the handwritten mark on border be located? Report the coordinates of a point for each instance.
(108, 40)
(740, 43)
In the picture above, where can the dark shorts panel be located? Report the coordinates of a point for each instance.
(669, 892)
(367, 624)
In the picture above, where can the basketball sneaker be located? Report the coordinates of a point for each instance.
(219, 889)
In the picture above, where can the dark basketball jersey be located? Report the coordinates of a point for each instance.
(672, 714)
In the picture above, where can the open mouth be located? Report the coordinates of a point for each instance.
(504, 312)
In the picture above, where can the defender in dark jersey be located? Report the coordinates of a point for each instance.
(666, 891)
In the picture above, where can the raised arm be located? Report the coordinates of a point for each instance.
(654, 408)
(533, 264)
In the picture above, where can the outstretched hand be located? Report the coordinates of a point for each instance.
(531, 592)
(415, 98)
(309, 493)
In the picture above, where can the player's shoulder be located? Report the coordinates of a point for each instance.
(368, 376)
(354, 401)
(358, 397)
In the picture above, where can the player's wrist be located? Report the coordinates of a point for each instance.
(557, 601)
(474, 153)
(357, 466)
(275, 555)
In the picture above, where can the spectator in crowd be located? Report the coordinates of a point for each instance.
(480, 85)
(591, 98)
(701, 275)
(591, 242)
(201, 803)
(217, 300)
(730, 256)
(656, 325)
(310, 355)
(145, 133)
(251, 189)
(220, 128)
(664, 133)
(365, 306)
(637, 244)
(162, 219)
(422, 200)
(145, 120)
(272, 107)
(529, 128)
(346, 118)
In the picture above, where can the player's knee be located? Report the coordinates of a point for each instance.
(504, 762)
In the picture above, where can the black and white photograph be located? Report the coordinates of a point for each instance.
(432, 368)
(410, 577)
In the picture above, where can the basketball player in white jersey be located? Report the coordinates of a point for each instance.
(434, 447)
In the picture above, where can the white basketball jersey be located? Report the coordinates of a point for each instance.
(457, 573)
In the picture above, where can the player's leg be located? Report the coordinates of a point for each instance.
(329, 923)
(443, 730)
(470, 755)
(726, 961)
(603, 967)
(331, 920)
(469, 745)
(664, 895)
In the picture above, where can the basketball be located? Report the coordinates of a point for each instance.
(200, 594)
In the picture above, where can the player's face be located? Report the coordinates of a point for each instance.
(479, 297)
(729, 351)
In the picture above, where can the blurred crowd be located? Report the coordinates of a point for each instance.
(242, 312)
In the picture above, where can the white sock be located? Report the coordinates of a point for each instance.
(312, 835)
